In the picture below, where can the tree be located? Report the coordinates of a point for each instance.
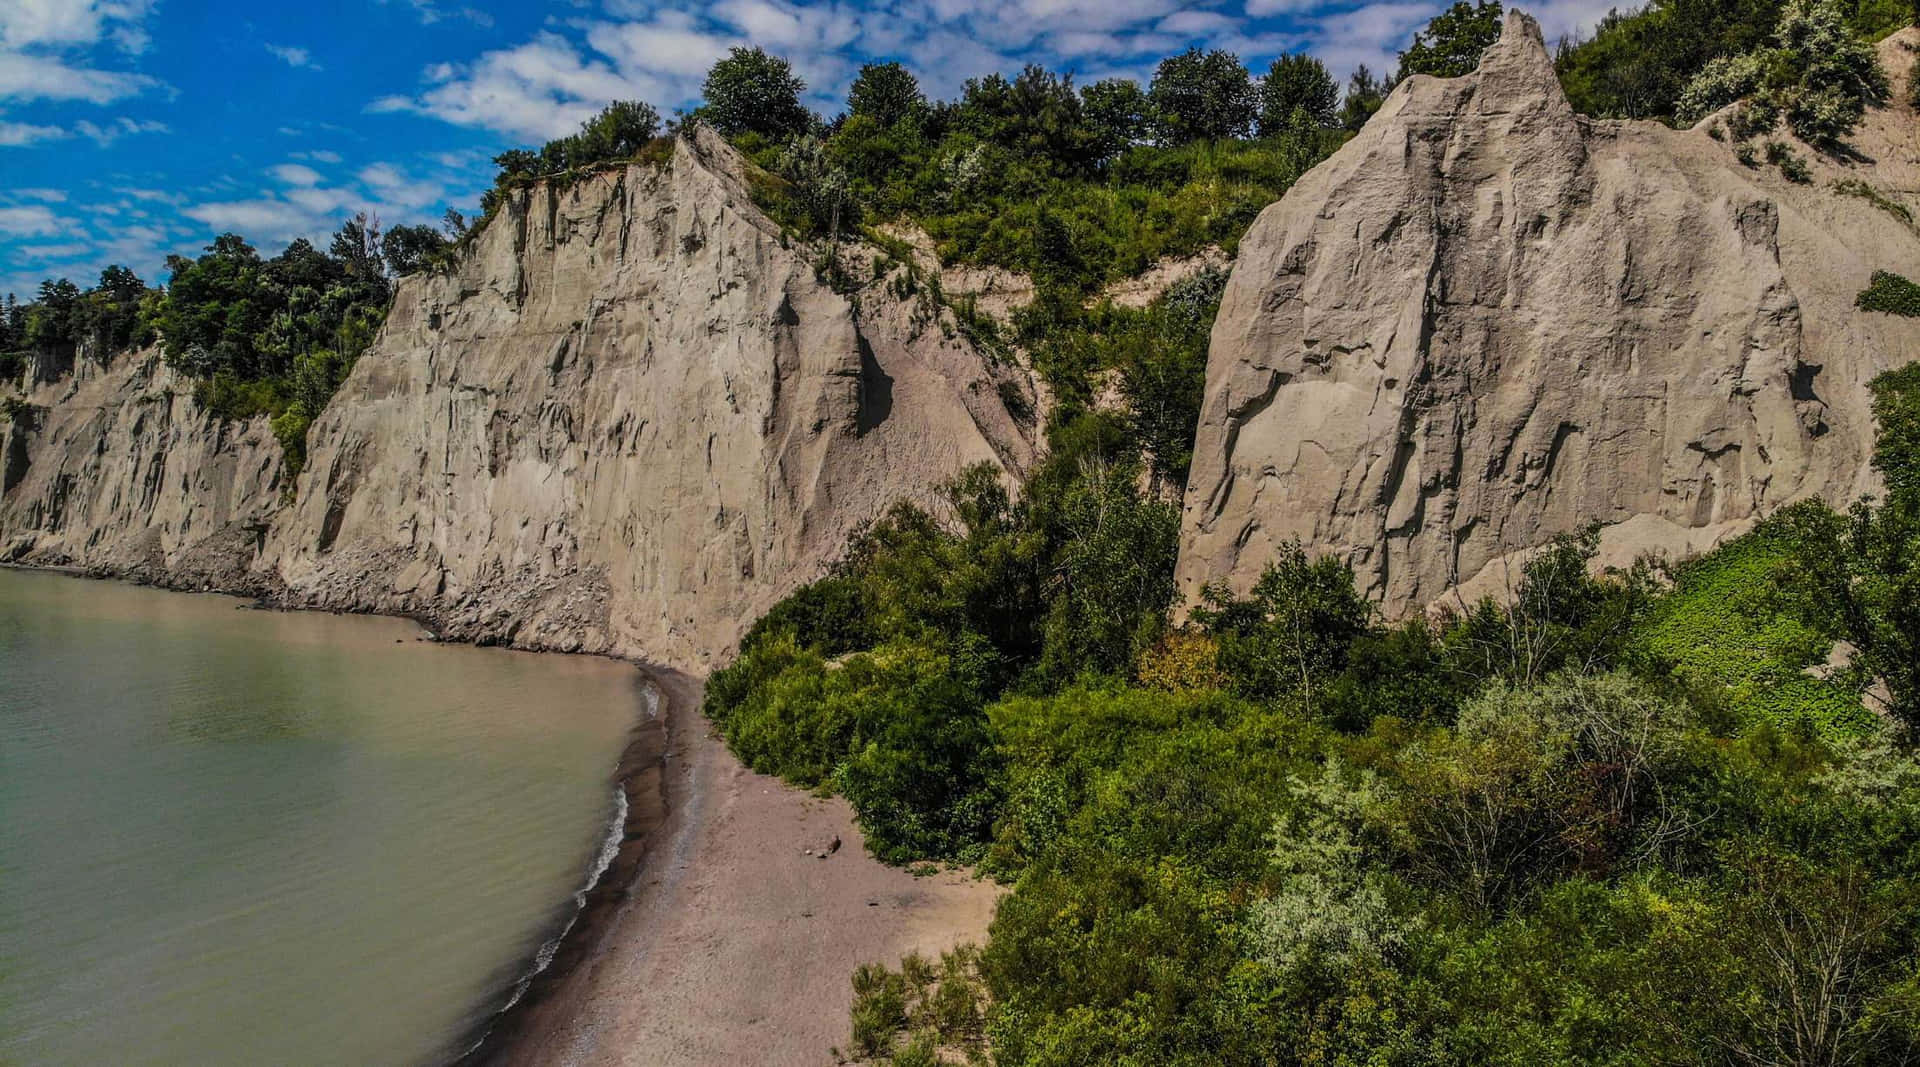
(1037, 116)
(1454, 41)
(887, 93)
(1202, 96)
(1857, 576)
(619, 132)
(409, 248)
(751, 91)
(356, 244)
(1294, 633)
(1119, 113)
(1365, 95)
(1297, 86)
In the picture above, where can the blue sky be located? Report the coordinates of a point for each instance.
(130, 129)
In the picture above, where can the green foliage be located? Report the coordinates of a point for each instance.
(411, 248)
(1857, 188)
(1202, 96)
(1293, 634)
(1815, 71)
(1857, 576)
(750, 91)
(1723, 630)
(1890, 294)
(887, 94)
(1296, 92)
(624, 131)
(1454, 41)
(1118, 113)
(907, 1015)
(1365, 96)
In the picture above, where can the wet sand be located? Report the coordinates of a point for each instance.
(714, 938)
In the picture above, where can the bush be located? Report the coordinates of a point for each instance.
(1792, 167)
(1890, 294)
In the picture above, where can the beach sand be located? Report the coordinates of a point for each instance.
(721, 941)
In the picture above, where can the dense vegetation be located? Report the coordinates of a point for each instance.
(1628, 818)
(1640, 62)
(1614, 821)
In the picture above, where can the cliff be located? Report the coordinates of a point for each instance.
(117, 470)
(630, 419)
(1487, 321)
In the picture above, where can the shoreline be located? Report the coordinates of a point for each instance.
(641, 777)
(726, 928)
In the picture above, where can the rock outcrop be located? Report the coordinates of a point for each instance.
(117, 470)
(1487, 321)
(629, 420)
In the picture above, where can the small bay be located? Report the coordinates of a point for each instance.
(233, 836)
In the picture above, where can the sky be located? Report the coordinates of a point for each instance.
(131, 129)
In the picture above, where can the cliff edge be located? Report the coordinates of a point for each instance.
(1487, 321)
(630, 419)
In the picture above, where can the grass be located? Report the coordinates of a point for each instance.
(1722, 631)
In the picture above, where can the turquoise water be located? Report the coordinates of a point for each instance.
(231, 836)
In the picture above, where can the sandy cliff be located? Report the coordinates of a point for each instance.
(629, 421)
(116, 469)
(1487, 321)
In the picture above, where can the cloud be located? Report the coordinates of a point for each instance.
(259, 219)
(73, 23)
(32, 220)
(539, 90)
(296, 174)
(15, 134)
(104, 135)
(297, 58)
(430, 12)
(36, 77)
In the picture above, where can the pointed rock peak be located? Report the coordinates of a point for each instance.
(1518, 66)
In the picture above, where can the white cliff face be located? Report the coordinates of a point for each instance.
(117, 470)
(631, 420)
(1487, 321)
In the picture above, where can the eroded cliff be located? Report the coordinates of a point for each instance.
(1487, 321)
(630, 419)
(116, 469)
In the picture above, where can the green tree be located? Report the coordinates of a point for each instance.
(407, 249)
(1119, 113)
(1365, 95)
(1857, 576)
(1202, 96)
(751, 91)
(619, 132)
(1297, 87)
(1294, 632)
(1454, 41)
(887, 93)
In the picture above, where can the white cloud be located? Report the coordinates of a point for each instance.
(37, 77)
(262, 219)
(297, 58)
(73, 23)
(104, 135)
(32, 220)
(15, 134)
(539, 90)
(296, 174)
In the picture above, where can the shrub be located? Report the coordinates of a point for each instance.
(1891, 294)
(1792, 167)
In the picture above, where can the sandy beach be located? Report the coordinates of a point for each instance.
(719, 939)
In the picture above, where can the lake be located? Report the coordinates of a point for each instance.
(233, 836)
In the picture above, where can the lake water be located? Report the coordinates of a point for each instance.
(231, 836)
